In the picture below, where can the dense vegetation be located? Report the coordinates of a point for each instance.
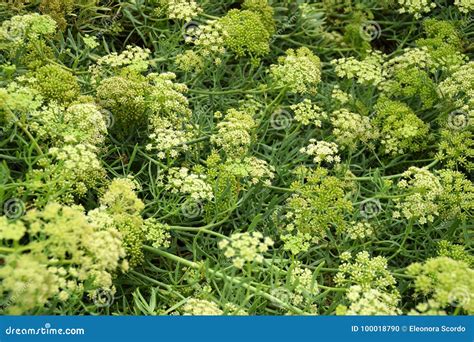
(236, 157)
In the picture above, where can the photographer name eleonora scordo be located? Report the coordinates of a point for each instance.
(408, 328)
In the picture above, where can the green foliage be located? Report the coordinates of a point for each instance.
(236, 158)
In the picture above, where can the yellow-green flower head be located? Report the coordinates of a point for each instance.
(369, 302)
(245, 248)
(201, 307)
(122, 204)
(448, 282)
(366, 71)
(55, 83)
(180, 9)
(20, 28)
(234, 133)
(79, 123)
(365, 271)
(264, 10)
(400, 128)
(16, 101)
(299, 71)
(246, 33)
(416, 7)
(67, 253)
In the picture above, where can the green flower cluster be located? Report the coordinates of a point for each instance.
(68, 253)
(317, 205)
(299, 71)
(447, 282)
(400, 128)
(245, 248)
(372, 288)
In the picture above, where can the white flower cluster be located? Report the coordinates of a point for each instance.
(416, 7)
(420, 7)
(364, 271)
(209, 42)
(304, 286)
(369, 302)
(464, 6)
(459, 89)
(359, 230)
(245, 248)
(255, 169)
(322, 151)
(308, 113)
(78, 123)
(350, 128)
(181, 9)
(372, 288)
(169, 124)
(134, 58)
(234, 132)
(340, 96)
(423, 188)
(25, 27)
(156, 233)
(368, 71)
(201, 307)
(299, 71)
(181, 180)
(167, 140)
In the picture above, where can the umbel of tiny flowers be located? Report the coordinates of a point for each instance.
(448, 282)
(179, 9)
(299, 71)
(368, 71)
(322, 151)
(245, 248)
(308, 113)
(66, 254)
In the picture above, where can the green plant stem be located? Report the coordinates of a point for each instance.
(221, 275)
